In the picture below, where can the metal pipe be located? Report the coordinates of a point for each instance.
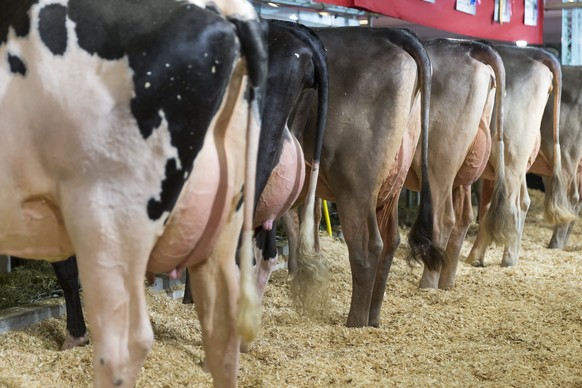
(335, 9)
(568, 5)
(327, 220)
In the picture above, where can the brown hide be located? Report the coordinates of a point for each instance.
(373, 111)
(462, 98)
(529, 82)
(570, 144)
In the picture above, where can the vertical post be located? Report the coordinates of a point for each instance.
(575, 37)
(5, 266)
(571, 29)
(327, 220)
(565, 37)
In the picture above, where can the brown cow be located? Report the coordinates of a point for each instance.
(462, 99)
(570, 145)
(532, 74)
(378, 101)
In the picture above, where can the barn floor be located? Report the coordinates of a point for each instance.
(498, 327)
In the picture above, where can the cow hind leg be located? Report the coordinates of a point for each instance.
(290, 222)
(477, 254)
(112, 260)
(116, 311)
(187, 298)
(68, 277)
(463, 216)
(267, 245)
(391, 238)
(215, 288)
(561, 235)
(487, 187)
(563, 231)
(444, 223)
(511, 252)
(364, 246)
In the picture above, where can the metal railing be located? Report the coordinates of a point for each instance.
(571, 32)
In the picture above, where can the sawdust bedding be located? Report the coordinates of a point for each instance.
(518, 326)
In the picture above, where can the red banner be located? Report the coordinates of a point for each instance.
(443, 15)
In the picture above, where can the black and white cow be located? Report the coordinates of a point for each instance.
(297, 61)
(140, 122)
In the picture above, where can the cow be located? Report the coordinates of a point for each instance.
(531, 74)
(468, 77)
(570, 149)
(376, 116)
(140, 122)
(297, 61)
(294, 50)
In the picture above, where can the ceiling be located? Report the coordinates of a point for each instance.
(319, 14)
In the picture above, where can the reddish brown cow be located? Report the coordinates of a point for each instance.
(140, 142)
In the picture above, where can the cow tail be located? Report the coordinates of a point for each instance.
(420, 238)
(309, 287)
(252, 35)
(498, 223)
(557, 208)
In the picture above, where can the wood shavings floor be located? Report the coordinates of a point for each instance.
(498, 327)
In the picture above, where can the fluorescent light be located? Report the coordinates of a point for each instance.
(273, 5)
(293, 17)
(363, 22)
(323, 13)
(521, 43)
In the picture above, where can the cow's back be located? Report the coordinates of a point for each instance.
(461, 96)
(528, 85)
(370, 104)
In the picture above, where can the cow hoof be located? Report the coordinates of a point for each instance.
(354, 322)
(477, 264)
(427, 284)
(72, 342)
(446, 287)
(204, 366)
(555, 245)
(244, 347)
(508, 263)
